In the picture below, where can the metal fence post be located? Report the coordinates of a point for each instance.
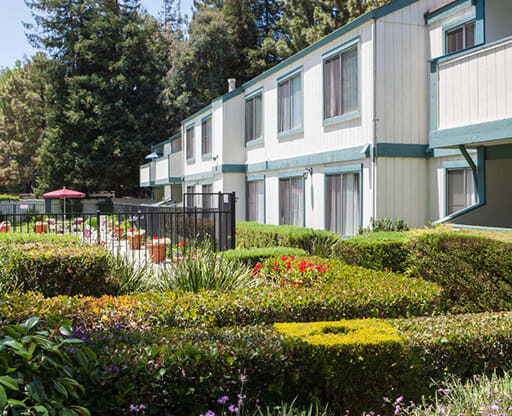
(233, 219)
(98, 227)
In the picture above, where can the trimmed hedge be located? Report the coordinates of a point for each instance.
(316, 242)
(378, 251)
(54, 267)
(172, 371)
(253, 256)
(474, 271)
(22, 238)
(353, 293)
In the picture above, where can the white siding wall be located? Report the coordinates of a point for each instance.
(402, 189)
(162, 169)
(497, 14)
(144, 174)
(235, 182)
(476, 87)
(233, 146)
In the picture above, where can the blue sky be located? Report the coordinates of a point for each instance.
(13, 44)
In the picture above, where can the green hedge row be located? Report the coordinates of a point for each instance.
(54, 266)
(253, 256)
(346, 292)
(252, 234)
(351, 365)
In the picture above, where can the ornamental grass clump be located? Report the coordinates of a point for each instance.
(203, 270)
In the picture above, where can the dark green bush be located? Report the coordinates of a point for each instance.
(252, 234)
(378, 251)
(54, 268)
(41, 370)
(22, 238)
(474, 271)
(253, 256)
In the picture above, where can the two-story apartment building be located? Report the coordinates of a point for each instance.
(404, 112)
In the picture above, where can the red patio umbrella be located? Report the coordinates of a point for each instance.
(63, 193)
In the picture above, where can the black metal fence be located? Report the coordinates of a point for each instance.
(162, 233)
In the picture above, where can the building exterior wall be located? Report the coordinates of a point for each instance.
(497, 14)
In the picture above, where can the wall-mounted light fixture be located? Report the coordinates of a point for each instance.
(307, 172)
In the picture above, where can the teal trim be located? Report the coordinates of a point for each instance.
(254, 142)
(401, 150)
(191, 161)
(254, 178)
(455, 164)
(456, 23)
(206, 156)
(153, 147)
(257, 167)
(502, 151)
(291, 174)
(175, 179)
(254, 93)
(290, 133)
(472, 134)
(232, 168)
(340, 48)
(332, 170)
(342, 118)
(447, 10)
(334, 156)
(206, 182)
(196, 114)
(480, 22)
(144, 184)
(206, 117)
(471, 163)
(198, 176)
(161, 181)
(289, 74)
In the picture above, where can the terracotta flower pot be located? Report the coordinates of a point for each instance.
(5, 227)
(135, 239)
(41, 227)
(156, 249)
(118, 232)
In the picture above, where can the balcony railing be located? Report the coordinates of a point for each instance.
(175, 165)
(473, 86)
(167, 169)
(145, 175)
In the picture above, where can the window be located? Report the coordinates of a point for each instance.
(290, 104)
(460, 37)
(176, 145)
(256, 201)
(206, 136)
(340, 84)
(460, 189)
(207, 199)
(190, 143)
(190, 196)
(253, 118)
(342, 203)
(176, 193)
(291, 200)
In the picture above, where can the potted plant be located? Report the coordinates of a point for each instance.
(135, 237)
(179, 254)
(41, 227)
(5, 227)
(156, 248)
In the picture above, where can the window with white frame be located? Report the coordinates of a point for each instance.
(341, 83)
(460, 192)
(291, 201)
(460, 37)
(206, 136)
(290, 104)
(342, 203)
(190, 143)
(190, 196)
(256, 201)
(253, 118)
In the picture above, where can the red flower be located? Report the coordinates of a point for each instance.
(257, 267)
(292, 257)
(310, 264)
(182, 244)
(275, 263)
(288, 266)
(155, 238)
(284, 258)
(319, 279)
(276, 268)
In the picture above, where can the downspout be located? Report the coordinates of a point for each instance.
(373, 156)
(473, 167)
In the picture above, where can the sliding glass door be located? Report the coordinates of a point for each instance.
(342, 203)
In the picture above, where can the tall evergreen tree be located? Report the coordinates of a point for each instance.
(106, 110)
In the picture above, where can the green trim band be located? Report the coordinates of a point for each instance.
(402, 150)
(255, 178)
(333, 170)
(197, 113)
(447, 10)
(289, 74)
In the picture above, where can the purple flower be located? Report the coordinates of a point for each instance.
(223, 399)
(233, 409)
